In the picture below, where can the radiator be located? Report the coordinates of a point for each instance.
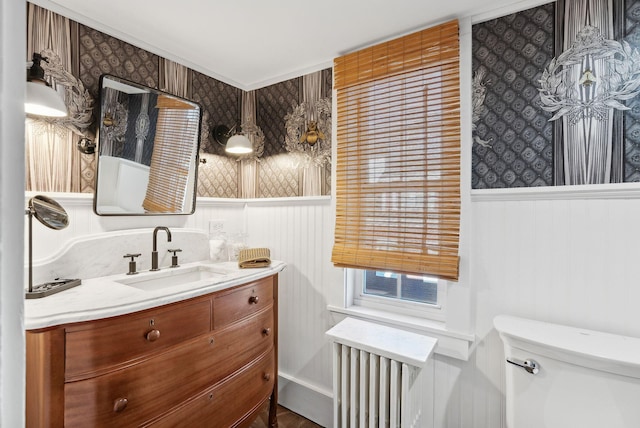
(373, 387)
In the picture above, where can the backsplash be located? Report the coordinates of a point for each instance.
(92, 256)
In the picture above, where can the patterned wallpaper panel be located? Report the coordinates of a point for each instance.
(218, 176)
(327, 89)
(278, 176)
(327, 83)
(513, 139)
(632, 116)
(100, 53)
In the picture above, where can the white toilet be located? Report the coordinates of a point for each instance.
(565, 377)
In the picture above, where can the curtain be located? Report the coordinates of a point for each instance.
(174, 78)
(53, 162)
(248, 171)
(311, 172)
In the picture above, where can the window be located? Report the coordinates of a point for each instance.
(414, 288)
(418, 296)
(173, 152)
(398, 163)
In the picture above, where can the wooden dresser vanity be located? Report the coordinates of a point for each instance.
(207, 361)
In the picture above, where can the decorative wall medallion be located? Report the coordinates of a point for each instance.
(114, 119)
(256, 136)
(77, 98)
(592, 95)
(477, 101)
(299, 130)
(205, 129)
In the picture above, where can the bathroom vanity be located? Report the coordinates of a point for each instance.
(123, 353)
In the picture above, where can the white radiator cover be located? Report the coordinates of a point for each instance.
(380, 375)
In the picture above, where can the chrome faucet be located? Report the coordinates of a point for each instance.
(154, 253)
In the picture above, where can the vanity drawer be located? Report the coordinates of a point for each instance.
(97, 347)
(219, 406)
(149, 386)
(241, 302)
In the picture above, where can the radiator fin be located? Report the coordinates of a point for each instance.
(372, 391)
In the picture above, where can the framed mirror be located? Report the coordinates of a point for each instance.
(148, 143)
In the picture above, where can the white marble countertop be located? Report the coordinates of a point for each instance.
(104, 297)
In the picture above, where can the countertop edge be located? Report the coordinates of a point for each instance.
(45, 313)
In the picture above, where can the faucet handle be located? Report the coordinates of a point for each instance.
(132, 263)
(174, 258)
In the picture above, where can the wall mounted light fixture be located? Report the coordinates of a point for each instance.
(42, 99)
(236, 144)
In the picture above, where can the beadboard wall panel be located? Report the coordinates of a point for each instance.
(568, 261)
(302, 235)
(298, 231)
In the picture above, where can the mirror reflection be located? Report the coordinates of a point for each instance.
(148, 150)
(48, 212)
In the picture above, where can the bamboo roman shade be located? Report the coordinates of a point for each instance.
(176, 130)
(398, 155)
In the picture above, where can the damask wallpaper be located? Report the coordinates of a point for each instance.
(278, 173)
(556, 95)
(513, 138)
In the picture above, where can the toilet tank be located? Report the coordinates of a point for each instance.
(584, 378)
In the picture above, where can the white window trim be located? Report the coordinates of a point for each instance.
(450, 343)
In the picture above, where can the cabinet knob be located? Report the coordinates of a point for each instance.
(266, 331)
(266, 376)
(253, 300)
(153, 335)
(120, 404)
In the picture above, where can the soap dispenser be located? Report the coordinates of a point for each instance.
(217, 241)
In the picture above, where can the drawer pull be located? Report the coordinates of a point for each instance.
(153, 335)
(266, 331)
(120, 404)
(266, 376)
(253, 300)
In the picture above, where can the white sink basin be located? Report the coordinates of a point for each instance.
(169, 277)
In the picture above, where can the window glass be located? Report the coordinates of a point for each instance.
(423, 289)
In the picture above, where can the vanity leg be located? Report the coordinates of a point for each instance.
(273, 402)
(273, 409)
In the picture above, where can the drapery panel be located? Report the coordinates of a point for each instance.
(52, 160)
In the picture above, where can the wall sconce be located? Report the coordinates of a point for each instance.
(236, 144)
(312, 134)
(86, 146)
(42, 99)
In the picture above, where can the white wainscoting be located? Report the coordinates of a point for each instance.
(298, 231)
(571, 261)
